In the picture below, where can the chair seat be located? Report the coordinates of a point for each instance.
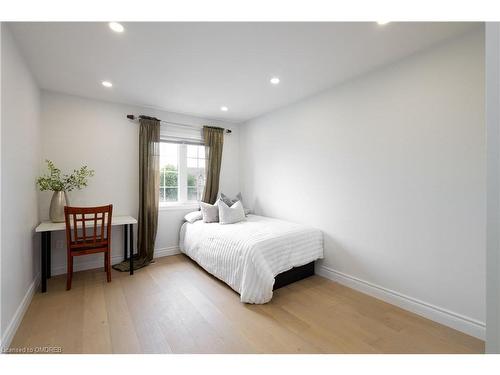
(89, 244)
(88, 247)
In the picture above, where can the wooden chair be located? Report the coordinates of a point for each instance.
(88, 231)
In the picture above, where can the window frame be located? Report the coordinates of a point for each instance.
(182, 175)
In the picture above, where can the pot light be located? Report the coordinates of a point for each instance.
(224, 108)
(116, 27)
(107, 84)
(382, 23)
(274, 80)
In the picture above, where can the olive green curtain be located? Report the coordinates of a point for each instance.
(149, 192)
(214, 142)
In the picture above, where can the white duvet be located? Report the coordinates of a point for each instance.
(249, 254)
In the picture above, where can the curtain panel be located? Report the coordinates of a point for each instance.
(149, 193)
(214, 141)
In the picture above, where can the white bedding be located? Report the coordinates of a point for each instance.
(249, 254)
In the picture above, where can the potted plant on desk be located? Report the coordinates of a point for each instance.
(60, 185)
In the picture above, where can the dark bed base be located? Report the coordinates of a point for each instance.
(293, 275)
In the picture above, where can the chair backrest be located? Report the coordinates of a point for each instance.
(89, 225)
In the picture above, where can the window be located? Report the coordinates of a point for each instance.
(182, 172)
(195, 172)
(169, 172)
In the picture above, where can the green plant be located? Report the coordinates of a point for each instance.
(56, 181)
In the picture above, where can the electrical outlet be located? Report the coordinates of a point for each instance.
(59, 244)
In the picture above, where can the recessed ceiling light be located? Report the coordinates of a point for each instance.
(107, 84)
(274, 80)
(381, 23)
(224, 108)
(117, 27)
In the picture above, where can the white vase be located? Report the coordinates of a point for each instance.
(57, 203)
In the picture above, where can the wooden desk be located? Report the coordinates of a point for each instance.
(47, 227)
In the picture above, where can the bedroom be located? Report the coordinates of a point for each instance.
(286, 187)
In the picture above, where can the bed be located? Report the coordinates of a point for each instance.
(251, 254)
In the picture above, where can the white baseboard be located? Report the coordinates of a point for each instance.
(60, 269)
(19, 314)
(438, 314)
(167, 251)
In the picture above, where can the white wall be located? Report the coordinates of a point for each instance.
(20, 164)
(493, 195)
(391, 166)
(79, 131)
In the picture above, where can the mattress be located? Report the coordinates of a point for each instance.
(249, 254)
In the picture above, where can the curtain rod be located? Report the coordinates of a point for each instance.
(134, 117)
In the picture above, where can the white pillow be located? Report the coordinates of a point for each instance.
(193, 216)
(230, 201)
(210, 212)
(231, 215)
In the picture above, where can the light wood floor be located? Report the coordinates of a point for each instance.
(173, 306)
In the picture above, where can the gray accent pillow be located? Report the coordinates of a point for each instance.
(228, 201)
(231, 215)
(210, 212)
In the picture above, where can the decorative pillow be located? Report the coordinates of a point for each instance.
(230, 201)
(210, 212)
(193, 216)
(231, 215)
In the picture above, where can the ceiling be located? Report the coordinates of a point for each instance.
(195, 68)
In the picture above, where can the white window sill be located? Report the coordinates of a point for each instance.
(179, 206)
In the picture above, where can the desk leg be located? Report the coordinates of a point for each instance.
(44, 262)
(49, 252)
(125, 241)
(131, 248)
